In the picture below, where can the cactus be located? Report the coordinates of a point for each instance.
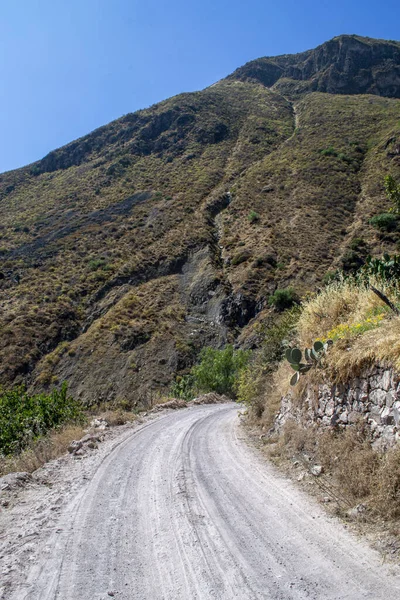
(312, 356)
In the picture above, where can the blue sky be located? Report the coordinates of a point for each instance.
(67, 67)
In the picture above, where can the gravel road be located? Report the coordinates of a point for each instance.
(184, 509)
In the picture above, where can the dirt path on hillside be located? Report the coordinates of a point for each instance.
(183, 509)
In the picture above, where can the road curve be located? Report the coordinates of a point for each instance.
(183, 509)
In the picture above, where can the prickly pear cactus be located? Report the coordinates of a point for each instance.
(312, 357)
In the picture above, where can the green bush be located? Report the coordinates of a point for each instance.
(253, 217)
(358, 244)
(183, 388)
(283, 299)
(241, 257)
(97, 263)
(329, 151)
(352, 261)
(392, 189)
(218, 370)
(384, 222)
(331, 276)
(24, 418)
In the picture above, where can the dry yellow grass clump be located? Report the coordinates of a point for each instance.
(41, 451)
(363, 328)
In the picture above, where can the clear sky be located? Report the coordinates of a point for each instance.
(69, 66)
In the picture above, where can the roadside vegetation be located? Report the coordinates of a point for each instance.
(24, 417)
(217, 371)
(36, 428)
(360, 313)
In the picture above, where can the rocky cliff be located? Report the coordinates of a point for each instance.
(348, 64)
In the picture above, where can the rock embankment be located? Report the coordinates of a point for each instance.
(374, 396)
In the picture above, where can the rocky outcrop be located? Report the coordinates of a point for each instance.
(375, 397)
(347, 64)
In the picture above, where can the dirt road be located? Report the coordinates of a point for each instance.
(184, 509)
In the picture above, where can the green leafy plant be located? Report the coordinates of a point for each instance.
(253, 217)
(283, 299)
(392, 189)
(312, 357)
(97, 263)
(276, 336)
(386, 268)
(331, 276)
(218, 370)
(330, 151)
(24, 418)
(384, 222)
(183, 387)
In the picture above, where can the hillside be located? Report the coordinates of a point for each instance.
(126, 251)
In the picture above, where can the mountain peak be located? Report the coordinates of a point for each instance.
(346, 64)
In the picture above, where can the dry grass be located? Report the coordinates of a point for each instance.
(117, 416)
(41, 451)
(343, 302)
(386, 490)
(365, 332)
(354, 472)
(295, 439)
(350, 458)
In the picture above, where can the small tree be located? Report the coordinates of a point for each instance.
(283, 299)
(218, 370)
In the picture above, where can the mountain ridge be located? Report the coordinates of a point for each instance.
(346, 64)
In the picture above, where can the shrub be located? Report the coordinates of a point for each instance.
(331, 276)
(384, 222)
(218, 370)
(283, 299)
(24, 418)
(254, 385)
(97, 263)
(328, 151)
(352, 261)
(358, 244)
(276, 336)
(241, 257)
(35, 170)
(253, 217)
(183, 387)
(392, 190)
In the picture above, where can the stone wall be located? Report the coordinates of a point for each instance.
(375, 396)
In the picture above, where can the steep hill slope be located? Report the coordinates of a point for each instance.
(126, 251)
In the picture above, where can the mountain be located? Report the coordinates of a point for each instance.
(348, 64)
(126, 251)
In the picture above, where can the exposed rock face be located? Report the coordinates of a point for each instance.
(374, 397)
(347, 64)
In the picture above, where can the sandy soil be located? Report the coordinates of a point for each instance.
(179, 508)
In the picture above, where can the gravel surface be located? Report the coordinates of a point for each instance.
(180, 508)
